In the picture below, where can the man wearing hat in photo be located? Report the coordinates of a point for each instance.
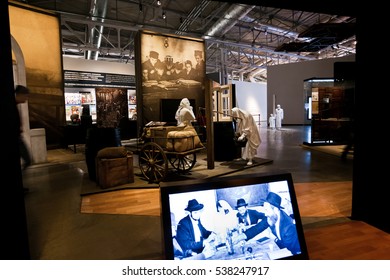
(200, 65)
(150, 65)
(191, 234)
(247, 217)
(189, 72)
(177, 71)
(281, 225)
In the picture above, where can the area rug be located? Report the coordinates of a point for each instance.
(199, 171)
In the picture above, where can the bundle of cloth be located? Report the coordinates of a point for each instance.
(183, 140)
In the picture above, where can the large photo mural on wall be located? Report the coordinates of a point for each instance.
(171, 68)
(111, 106)
(36, 32)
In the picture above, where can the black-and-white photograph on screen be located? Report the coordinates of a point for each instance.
(242, 222)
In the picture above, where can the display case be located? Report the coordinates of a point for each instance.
(329, 110)
(72, 105)
(76, 99)
(132, 103)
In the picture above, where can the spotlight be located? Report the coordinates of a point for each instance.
(140, 7)
(158, 3)
(164, 16)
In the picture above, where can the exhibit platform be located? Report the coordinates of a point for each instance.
(199, 171)
(59, 230)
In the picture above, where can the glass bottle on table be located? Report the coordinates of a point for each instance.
(229, 242)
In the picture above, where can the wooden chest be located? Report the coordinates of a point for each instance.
(114, 171)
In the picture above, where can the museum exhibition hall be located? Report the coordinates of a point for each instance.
(144, 116)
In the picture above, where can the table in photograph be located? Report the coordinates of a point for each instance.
(251, 250)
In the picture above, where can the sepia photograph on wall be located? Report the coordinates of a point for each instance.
(111, 106)
(171, 68)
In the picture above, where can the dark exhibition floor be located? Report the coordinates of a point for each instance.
(59, 231)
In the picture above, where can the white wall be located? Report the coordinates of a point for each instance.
(77, 64)
(252, 97)
(285, 82)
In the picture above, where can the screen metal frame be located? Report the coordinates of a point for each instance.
(236, 181)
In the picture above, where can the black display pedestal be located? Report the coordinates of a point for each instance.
(224, 147)
(128, 129)
(97, 139)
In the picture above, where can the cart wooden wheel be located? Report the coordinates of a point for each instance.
(183, 163)
(153, 162)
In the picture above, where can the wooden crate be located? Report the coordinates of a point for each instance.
(114, 171)
(158, 134)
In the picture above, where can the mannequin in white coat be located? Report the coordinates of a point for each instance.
(247, 128)
(279, 115)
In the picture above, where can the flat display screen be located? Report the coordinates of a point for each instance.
(245, 217)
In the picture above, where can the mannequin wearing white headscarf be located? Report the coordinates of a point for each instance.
(226, 219)
(247, 128)
(184, 114)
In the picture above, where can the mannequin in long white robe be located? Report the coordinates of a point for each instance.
(279, 115)
(271, 121)
(247, 128)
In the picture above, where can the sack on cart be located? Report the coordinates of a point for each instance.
(184, 140)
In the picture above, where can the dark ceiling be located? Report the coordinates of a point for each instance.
(332, 7)
(241, 39)
(323, 34)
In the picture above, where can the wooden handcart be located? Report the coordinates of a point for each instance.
(164, 145)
